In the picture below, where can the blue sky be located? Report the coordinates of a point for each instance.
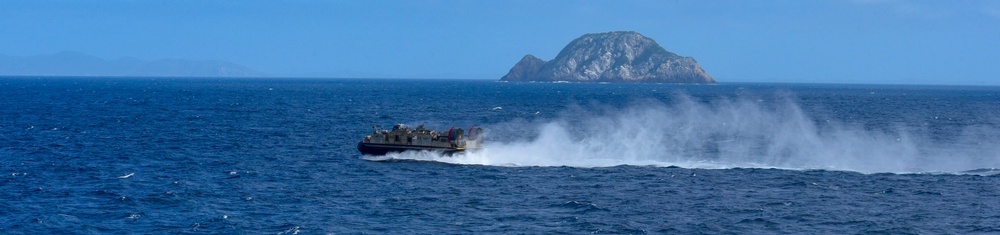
(860, 41)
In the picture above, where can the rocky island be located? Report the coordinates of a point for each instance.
(614, 57)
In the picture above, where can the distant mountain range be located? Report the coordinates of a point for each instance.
(69, 63)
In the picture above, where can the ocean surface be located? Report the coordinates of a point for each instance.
(278, 156)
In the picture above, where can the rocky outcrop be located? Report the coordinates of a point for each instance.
(624, 57)
(525, 69)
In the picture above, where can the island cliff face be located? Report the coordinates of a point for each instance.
(621, 57)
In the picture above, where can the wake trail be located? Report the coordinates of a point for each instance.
(724, 133)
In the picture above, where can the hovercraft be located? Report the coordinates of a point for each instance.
(402, 139)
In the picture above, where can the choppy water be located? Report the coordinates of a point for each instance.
(142, 155)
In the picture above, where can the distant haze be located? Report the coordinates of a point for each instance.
(826, 41)
(68, 63)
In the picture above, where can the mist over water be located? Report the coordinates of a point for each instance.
(727, 133)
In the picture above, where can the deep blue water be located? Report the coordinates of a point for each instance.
(144, 155)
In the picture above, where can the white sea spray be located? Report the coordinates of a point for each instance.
(725, 133)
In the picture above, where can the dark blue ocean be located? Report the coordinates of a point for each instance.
(278, 156)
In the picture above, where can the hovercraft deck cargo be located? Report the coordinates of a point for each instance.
(402, 138)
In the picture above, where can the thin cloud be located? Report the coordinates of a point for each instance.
(936, 9)
(992, 9)
(910, 8)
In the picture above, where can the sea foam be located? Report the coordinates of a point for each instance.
(723, 133)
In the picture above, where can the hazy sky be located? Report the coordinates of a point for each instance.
(870, 41)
